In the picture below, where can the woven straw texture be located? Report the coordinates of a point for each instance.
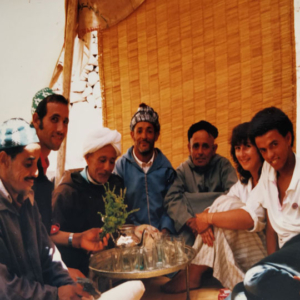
(221, 61)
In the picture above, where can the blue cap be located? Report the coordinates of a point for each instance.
(16, 132)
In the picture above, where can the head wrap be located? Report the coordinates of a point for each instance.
(203, 125)
(97, 138)
(145, 113)
(16, 132)
(39, 96)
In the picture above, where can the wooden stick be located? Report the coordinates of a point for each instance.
(70, 33)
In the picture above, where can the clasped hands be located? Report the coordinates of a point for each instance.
(200, 225)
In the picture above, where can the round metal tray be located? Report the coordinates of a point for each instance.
(101, 264)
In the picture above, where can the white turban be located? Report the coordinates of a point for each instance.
(97, 138)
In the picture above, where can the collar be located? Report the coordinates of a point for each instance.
(295, 177)
(249, 185)
(44, 162)
(5, 194)
(145, 166)
(86, 175)
(272, 174)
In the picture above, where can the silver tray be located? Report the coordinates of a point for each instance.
(100, 263)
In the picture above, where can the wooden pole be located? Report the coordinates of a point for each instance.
(70, 33)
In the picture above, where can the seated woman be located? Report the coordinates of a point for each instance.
(225, 242)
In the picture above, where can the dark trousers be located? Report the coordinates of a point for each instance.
(272, 277)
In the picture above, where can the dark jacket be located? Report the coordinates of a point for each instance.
(28, 269)
(76, 206)
(43, 189)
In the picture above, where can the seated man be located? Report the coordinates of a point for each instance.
(79, 197)
(146, 172)
(202, 178)
(30, 265)
(278, 191)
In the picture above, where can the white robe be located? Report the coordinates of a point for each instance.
(234, 251)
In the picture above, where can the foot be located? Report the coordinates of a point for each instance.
(178, 284)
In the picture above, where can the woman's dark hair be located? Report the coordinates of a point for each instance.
(240, 136)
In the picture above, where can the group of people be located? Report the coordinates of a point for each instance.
(244, 227)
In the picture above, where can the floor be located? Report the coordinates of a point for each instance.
(209, 291)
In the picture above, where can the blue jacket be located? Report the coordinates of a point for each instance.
(147, 191)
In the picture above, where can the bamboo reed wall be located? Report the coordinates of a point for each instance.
(220, 61)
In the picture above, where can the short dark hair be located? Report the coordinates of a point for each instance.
(268, 119)
(14, 151)
(241, 136)
(203, 125)
(41, 109)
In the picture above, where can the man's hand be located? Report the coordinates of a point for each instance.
(74, 273)
(90, 240)
(191, 223)
(202, 222)
(165, 231)
(208, 237)
(71, 292)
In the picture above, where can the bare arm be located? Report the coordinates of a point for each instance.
(88, 240)
(271, 237)
(237, 219)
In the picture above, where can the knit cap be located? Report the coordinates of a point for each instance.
(145, 113)
(16, 132)
(39, 96)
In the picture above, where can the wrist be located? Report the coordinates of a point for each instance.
(76, 243)
(70, 239)
(210, 218)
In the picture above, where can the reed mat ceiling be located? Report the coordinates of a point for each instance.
(221, 61)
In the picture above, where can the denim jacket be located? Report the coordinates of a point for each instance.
(146, 191)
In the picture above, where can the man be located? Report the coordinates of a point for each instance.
(146, 172)
(79, 197)
(202, 178)
(50, 117)
(30, 265)
(278, 191)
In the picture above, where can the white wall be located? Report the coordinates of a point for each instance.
(32, 34)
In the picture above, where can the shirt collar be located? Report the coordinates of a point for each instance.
(295, 178)
(5, 194)
(144, 165)
(86, 175)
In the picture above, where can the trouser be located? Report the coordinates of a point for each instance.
(272, 277)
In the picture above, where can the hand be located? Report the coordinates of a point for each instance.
(90, 240)
(208, 237)
(74, 273)
(71, 292)
(165, 231)
(191, 223)
(202, 222)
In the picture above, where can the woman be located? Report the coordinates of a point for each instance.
(224, 242)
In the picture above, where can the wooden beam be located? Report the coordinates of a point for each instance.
(70, 34)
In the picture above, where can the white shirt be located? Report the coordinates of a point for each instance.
(144, 166)
(285, 218)
(241, 191)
